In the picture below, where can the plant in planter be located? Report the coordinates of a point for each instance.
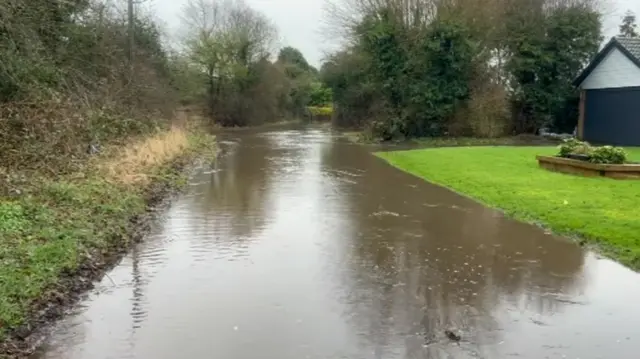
(608, 155)
(575, 149)
(579, 150)
(567, 147)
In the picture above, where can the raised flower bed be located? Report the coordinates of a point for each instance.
(580, 158)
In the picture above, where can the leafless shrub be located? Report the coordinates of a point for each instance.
(232, 44)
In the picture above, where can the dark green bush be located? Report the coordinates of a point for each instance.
(427, 72)
(387, 128)
(604, 154)
(608, 155)
(320, 96)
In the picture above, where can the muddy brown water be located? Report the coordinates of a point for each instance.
(297, 244)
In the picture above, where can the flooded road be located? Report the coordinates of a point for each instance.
(297, 244)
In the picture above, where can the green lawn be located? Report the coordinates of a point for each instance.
(603, 212)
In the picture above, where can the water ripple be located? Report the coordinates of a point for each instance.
(300, 245)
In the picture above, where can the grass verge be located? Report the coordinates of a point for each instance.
(364, 137)
(476, 141)
(597, 211)
(322, 111)
(58, 234)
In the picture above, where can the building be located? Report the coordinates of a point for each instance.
(610, 95)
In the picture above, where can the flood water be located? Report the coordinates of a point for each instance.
(297, 244)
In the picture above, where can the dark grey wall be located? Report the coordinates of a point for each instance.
(612, 116)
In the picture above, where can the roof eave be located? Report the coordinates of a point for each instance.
(595, 62)
(600, 56)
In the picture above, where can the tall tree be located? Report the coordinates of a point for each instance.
(227, 39)
(291, 55)
(548, 46)
(629, 28)
(421, 63)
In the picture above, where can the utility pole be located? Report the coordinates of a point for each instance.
(131, 34)
(131, 48)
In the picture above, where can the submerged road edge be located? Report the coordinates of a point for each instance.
(71, 287)
(597, 246)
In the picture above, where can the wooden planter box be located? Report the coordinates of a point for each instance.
(587, 169)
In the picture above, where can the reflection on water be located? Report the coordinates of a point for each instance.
(295, 244)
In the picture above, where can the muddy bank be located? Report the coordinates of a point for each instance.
(72, 285)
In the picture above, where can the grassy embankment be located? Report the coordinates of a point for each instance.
(61, 228)
(424, 142)
(597, 211)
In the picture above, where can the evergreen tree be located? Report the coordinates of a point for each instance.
(628, 28)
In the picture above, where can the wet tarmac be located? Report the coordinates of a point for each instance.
(297, 244)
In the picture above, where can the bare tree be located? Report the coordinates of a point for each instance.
(227, 39)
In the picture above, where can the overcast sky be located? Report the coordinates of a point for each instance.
(300, 21)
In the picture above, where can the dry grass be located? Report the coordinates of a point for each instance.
(61, 222)
(134, 164)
